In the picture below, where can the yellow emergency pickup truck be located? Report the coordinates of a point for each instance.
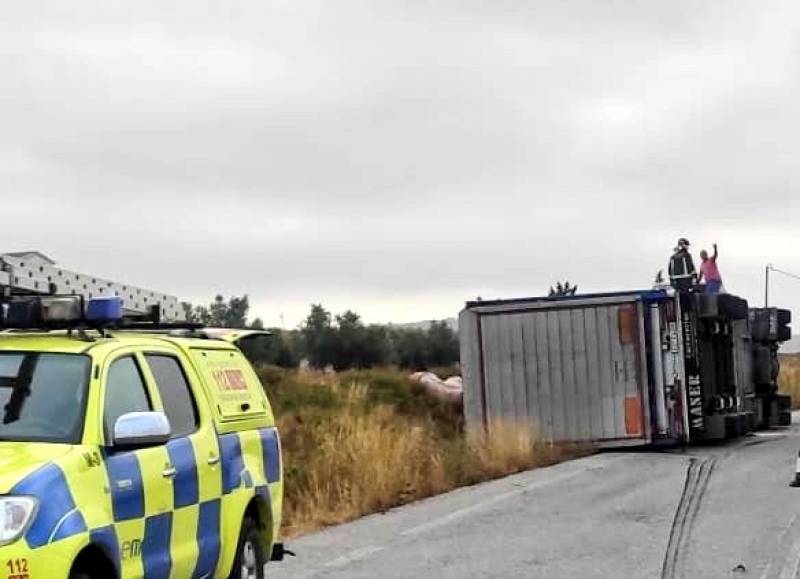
(131, 453)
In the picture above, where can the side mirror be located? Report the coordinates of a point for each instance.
(141, 429)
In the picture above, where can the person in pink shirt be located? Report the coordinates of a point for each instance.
(709, 272)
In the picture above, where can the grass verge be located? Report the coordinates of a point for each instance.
(362, 442)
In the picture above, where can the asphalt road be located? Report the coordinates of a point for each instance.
(722, 511)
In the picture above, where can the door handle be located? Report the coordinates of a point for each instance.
(169, 472)
(213, 459)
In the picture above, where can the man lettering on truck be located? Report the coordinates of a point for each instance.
(710, 272)
(682, 274)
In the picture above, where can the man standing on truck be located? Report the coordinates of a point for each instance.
(710, 272)
(682, 274)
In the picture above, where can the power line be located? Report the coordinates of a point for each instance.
(786, 273)
(770, 268)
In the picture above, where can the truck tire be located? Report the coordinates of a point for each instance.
(251, 553)
(762, 372)
(759, 327)
(732, 307)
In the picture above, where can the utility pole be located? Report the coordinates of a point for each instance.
(766, 285)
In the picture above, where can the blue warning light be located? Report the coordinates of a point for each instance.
(106, 309)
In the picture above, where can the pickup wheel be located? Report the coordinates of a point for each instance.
(92, 564)
(251, 553)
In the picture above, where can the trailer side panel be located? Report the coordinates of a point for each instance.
(572, 370)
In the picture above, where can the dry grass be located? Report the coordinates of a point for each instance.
(365, 442)
(789, 378)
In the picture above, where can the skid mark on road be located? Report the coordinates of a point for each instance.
(697, 476)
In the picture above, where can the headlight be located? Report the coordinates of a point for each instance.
(15, 515)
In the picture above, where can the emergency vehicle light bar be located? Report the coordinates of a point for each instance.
(74, 312)
(40, 312)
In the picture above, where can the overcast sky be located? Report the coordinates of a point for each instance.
(400, 157)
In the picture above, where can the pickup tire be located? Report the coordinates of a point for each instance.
(92, 564)
(251, 553)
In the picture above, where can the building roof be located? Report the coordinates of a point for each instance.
(30, 254)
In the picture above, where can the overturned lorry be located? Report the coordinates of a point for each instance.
(626, 368)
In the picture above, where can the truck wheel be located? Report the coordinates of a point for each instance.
(251, 554)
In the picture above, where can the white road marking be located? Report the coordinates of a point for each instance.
(790, 570)
(768, 569)
(354, 556)
(787, 528)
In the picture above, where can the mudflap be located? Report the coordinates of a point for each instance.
(279, 552)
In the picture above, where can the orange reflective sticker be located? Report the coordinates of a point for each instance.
(633, 416)
(628, 324)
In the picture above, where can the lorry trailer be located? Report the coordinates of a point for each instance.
(625, 368)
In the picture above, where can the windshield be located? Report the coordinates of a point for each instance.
(42, 396)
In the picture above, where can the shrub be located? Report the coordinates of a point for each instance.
(365, 441)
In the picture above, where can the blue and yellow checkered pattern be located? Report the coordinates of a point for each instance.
(150, 523)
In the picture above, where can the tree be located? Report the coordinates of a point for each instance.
(318, 336)
(442, 345)
(280, 348)
(563, 290)
(217, 312)
(236, 313)
(343, 341)
(410, 347)
(349, 341)
(188, 312)
(220, 313)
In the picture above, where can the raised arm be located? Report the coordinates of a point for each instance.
(716, 253)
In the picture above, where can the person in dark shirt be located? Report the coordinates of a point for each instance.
(682, 273)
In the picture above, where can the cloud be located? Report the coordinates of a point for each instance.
(399, 158)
